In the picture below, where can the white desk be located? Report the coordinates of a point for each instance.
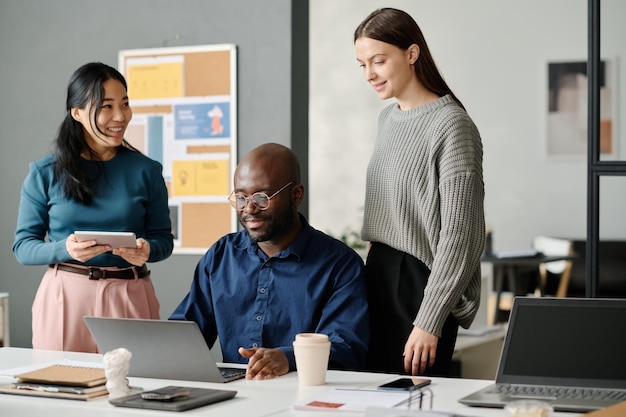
(254, 398)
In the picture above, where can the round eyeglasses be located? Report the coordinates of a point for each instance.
(260, 200)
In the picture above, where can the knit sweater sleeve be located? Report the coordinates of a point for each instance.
(454, 282)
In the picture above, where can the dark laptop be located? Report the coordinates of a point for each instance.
(569, 352)
(166, 349)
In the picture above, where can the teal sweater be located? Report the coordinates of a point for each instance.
(424, 196)
(129, 196)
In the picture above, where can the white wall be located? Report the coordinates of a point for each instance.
(494, 55)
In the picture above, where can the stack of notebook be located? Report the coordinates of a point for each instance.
(60, 381)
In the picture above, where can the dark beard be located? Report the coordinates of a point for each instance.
(277, 226)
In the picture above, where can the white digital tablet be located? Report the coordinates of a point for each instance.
(113, 239)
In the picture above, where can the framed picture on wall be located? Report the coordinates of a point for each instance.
(568, 108)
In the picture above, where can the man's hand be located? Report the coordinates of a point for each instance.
(264, 363)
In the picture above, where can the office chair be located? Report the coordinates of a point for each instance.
(554, 275)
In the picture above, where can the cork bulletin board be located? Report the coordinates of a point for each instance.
(184, 116)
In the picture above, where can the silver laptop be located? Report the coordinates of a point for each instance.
(166, 349)
(569, 352)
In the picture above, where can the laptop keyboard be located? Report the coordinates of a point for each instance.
(231, 372)
(549, 392)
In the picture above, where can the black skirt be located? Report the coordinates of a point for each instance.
(395, 288)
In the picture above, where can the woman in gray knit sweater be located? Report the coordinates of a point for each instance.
(424, 199)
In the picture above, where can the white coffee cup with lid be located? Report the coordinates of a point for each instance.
(312, 352)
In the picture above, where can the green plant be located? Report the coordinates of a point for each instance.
(352, 238)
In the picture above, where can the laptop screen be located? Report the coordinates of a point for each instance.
(566, 341)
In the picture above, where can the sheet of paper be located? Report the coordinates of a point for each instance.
(385, 412)
(352, 400)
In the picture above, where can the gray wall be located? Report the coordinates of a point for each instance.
(43, 42)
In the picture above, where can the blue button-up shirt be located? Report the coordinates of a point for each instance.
(250, 300)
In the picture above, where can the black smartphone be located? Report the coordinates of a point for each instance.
(165, 394)
(405, 384)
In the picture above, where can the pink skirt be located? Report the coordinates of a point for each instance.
(63, 298)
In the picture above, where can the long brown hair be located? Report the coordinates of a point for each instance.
(398, 28)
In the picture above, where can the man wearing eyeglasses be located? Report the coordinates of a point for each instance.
(277, 277)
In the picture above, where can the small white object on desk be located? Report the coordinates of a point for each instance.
(116, 365)
(524, 408)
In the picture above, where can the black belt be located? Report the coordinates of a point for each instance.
(98, 273)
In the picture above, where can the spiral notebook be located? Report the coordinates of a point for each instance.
(64, 375)
(60, 381)
(54, 391)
